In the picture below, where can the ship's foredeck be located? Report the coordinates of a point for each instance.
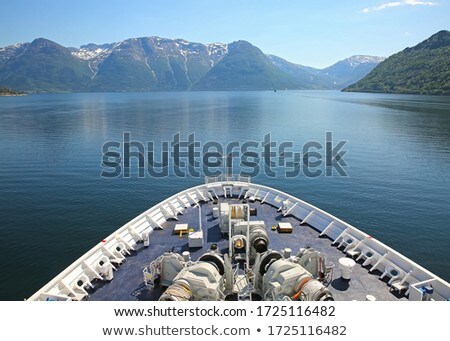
(128, 283)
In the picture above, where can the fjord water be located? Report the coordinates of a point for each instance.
(54, 206)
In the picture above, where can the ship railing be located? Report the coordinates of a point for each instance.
(227, 178)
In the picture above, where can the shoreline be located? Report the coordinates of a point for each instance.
(12, 95)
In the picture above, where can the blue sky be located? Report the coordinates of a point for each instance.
(314, 33)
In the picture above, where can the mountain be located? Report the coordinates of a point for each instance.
(422, 69)
(94, 54)
(92, 51)
(350, 70)
(336, 76)
(245, 67)
(42, 66)
(154, 63)
(307, 77)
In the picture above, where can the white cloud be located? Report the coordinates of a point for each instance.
(398, 3)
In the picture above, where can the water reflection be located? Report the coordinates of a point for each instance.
(398, 189)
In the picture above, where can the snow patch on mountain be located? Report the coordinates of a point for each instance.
(10, 51)
(217, 49)
(93, 51)
(86, 54)
(357, 60)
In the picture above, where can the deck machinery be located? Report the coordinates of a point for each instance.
(250, 270)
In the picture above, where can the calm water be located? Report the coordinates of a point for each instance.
(54, 205)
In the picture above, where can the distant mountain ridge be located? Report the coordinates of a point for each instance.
(161, 64)
(336, 76)
(422, 69)
(350, 70)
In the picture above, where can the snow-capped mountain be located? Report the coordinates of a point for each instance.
(173, 47)
(336, 76)
(350, 70)
(357, 60)
(155, 63)
(11, 51)
(91, 51)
